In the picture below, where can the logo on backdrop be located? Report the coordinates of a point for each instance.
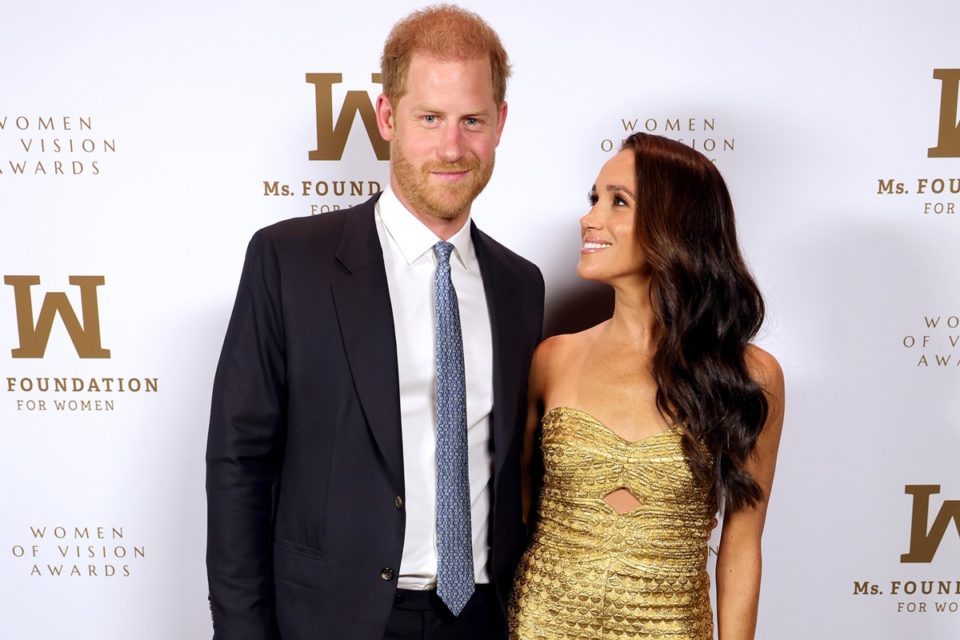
(44, 145)
(63, 391)
(77, 552)
(933, 196)
(924, 542)
(922, 592)
(937, 343)
(34, 335)
(332, 140)
(700, 133)
(332, 180)
(948, 137)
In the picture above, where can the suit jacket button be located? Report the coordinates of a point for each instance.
(398, 502)
(386, 574)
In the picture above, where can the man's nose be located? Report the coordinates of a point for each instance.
(451, 146)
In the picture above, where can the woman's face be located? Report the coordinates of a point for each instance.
(610, 249)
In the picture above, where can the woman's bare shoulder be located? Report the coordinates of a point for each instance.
(767, 372)
(559, 347)
(764, 369)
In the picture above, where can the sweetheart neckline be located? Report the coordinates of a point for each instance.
(605, 428)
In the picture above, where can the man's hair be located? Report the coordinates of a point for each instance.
(446, 32)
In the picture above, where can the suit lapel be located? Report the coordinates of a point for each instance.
(362, 301)
(499, 286)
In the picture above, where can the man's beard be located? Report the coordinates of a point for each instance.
(444, 201)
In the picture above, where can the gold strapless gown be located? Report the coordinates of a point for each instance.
(592, 573)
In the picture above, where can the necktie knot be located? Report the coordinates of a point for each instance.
(443, 251)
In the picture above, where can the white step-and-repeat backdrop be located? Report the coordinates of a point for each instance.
(141, 144)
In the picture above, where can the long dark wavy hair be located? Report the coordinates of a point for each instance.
(707, 308)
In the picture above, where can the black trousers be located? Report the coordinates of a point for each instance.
(421, 615)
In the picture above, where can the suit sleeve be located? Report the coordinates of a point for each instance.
(540, 300)
(244, 447)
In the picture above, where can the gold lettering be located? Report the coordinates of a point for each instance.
(332, 140)
(924, 543)
(34, 337)
(948, 140)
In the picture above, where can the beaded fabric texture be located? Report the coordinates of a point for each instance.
(592, 573)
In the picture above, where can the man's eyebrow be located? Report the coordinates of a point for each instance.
(480, 111)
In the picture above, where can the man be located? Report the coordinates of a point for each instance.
(363, 460)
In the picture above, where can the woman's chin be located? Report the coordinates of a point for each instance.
(590, 272)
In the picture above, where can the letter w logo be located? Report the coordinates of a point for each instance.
(34, 337)
(332, 140)
(924, 543)
(948, 141)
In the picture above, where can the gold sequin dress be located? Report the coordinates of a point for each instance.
(592, 573)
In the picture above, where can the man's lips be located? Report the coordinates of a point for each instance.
(449, 176)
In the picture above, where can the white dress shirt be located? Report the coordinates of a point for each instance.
(411, 267)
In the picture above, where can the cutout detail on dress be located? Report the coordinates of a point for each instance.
(622, 501)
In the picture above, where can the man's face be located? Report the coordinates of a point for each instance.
(443, 134)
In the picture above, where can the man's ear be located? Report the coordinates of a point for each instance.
(385, 117)
(501, 120)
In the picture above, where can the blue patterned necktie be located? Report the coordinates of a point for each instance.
(455, 583)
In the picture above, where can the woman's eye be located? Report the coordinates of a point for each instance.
(619, 202)
(592, 199)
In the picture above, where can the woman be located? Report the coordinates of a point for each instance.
(653, 419)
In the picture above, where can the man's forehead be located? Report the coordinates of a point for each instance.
(433, 81)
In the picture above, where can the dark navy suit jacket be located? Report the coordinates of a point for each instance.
(305, 484)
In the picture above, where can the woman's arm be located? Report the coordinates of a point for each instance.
(739, 558)
(535, 389)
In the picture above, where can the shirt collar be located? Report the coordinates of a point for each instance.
(413, 238)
